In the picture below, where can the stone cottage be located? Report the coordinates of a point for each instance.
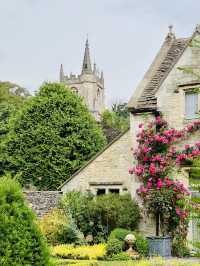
(107, 171)
(168, 88)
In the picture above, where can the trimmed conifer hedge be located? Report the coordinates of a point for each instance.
(21, 242)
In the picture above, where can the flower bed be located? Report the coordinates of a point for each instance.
(80, 252)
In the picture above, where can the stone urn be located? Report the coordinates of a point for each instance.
(89, 239)
(130, 240)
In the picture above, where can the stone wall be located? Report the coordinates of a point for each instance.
(171, 95)
(108, 170)
(42, 202)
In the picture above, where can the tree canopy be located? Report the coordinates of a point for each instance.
(50, 138)
(12, 97)
(115, 121)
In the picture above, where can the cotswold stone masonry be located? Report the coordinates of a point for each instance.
(42, 202)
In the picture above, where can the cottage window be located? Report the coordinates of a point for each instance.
(101, 191)
(114, 190)
(191, 104)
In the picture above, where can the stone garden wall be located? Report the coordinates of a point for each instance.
(42, 202)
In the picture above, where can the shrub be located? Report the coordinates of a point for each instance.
(101, 215)
(120, 233)
(21, 242)
(122, 256)
(140, 245)
(116, 211)
(59, 228)
(81, 252)
(76, 204)
(114, 246)
(179, 248)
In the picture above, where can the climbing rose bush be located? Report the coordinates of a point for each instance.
(164, 196)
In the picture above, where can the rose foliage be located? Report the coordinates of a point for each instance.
(157, 157)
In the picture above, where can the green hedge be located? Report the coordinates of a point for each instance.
(140, 245)
(100, 215)
(21, 242)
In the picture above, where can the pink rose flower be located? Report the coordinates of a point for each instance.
(159, 184)
(152, 169)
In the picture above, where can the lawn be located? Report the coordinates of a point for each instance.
(151, 262)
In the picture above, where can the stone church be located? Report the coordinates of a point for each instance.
(166, 90)
(89, 84)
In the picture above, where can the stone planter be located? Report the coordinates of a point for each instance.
(159, 246)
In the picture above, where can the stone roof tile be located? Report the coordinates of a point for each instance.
(147, 99)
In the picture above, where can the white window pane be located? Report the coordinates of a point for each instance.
(191, 105)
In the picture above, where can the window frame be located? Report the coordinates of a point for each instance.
(183, 88)
(187, 92)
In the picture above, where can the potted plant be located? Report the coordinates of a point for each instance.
(165, 198)
(159, 205)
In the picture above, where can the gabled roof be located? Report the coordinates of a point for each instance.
(144, 97)
(93, 158)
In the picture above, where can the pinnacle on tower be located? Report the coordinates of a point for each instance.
(102, 77)
(87, 68)
(197, 28)
(61, 73)
(171, 34)
(94, 68)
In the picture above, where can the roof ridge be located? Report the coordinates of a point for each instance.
(148, 99)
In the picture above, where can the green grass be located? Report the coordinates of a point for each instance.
(63, 262)
(153, 262)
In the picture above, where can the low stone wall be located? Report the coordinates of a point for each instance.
(42, 202)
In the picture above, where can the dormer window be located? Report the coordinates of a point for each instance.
(191, 105)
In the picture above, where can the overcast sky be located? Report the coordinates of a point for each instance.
(36, 36)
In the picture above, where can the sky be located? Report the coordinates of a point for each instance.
(36, 36)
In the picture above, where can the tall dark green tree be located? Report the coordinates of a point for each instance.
(121, 110)
(115, 121)
(50, 138)
(21, 242)
(12, 97)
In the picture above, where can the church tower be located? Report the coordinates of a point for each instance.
(89, 84)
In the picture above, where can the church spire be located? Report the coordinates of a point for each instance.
(87, 68)
(61, 73)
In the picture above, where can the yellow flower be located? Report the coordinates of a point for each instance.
(81, 252)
